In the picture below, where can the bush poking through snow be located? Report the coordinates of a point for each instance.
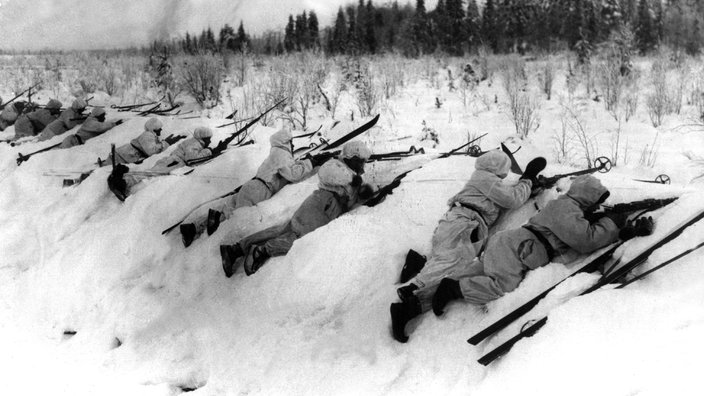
(202, 75)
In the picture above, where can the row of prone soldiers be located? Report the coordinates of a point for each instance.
(49, 121)
(464, 263)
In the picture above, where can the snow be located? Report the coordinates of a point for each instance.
(154, 318)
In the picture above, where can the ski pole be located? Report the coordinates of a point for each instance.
(21, 158)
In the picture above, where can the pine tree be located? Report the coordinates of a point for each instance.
(226, 39)
(289, 35)
(456, 31)
(490, 27)
(241, 41)
(472, 24)
(369, 31)
(352, 38)
(644, 28)
(313, 33)
(339, 34)
(187, 48)
(611, 18)
(211, 45)
(301, 35)
(421, 30)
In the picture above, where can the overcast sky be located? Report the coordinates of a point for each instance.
(92, 24)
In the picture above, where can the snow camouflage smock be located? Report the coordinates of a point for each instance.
(277, 170)
(510, 254)
(8, 116)
(317, 210)
(188, 150)
(66, 121)
(33, 123)
(140, 148)
(90, 129)
(463, 230)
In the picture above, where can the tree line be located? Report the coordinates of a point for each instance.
(456, 27)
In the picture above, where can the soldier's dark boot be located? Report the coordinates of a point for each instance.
(230, 255)
(256, 257)
(448, 290)
(406, 294)
(414, 264)
(401, 314)
(116, 182)
(213, 221)
(188, 233)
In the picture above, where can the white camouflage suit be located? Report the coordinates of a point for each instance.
(463, 230)
(142, 147)
(510, 254)
(277, 170)
(190, 149)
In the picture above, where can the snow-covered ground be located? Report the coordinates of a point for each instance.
(94, 300)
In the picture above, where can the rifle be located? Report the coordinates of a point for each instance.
(2, 106)
(233, 122)
(601, 165)
(145, 112)
(396, 155)
(388, 189)
(636, 206)
(134, 106)
(232, 137)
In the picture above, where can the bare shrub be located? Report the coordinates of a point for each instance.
(202, 76)
(486, 69)
(649, 154)
(577, 127)
(657, 101)
(615, 68)
(630, 102)
(162, 77)
(391, 73)
(368, 96)
(697, 96)
(546, 76)
(615, 143)
(522, 105)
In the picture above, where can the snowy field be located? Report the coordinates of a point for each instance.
(95, 301)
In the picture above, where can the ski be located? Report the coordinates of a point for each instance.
(327, 145)
(615, 275)
(388, 189)
(515, 168)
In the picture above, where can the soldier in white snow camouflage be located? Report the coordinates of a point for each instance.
(340, 189)
(277, 170)
(462, 232)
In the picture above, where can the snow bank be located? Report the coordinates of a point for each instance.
(151, 317)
